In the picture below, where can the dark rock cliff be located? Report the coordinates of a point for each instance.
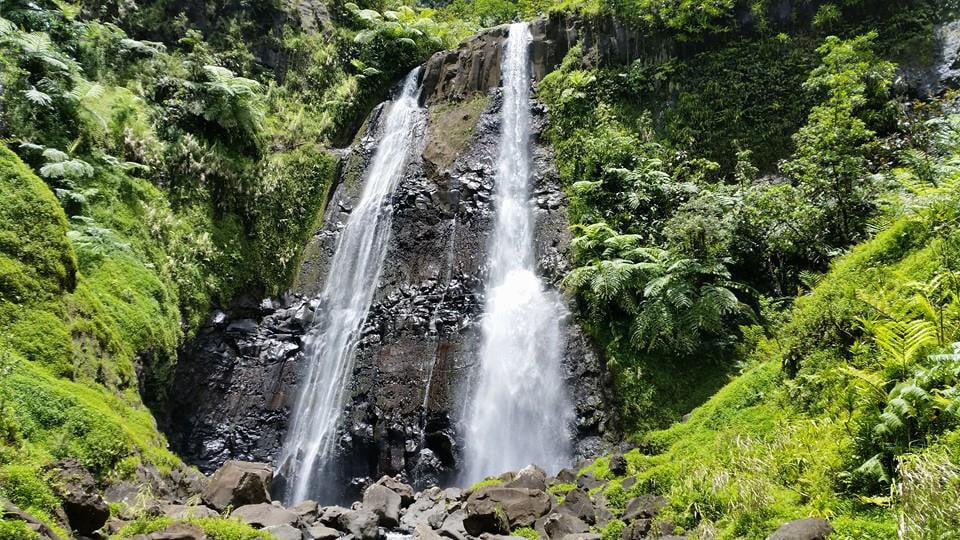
(238, 378)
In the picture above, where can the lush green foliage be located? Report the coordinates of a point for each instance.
(848, 409)
(148, 170)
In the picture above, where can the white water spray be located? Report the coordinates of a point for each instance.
(347, 295)
(519, 411)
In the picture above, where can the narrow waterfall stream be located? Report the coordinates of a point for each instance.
(519, 412)
(351, 281)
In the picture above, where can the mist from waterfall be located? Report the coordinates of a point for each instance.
(519, 412)
(351, 282)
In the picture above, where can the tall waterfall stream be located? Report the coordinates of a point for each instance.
(346, 298)
(519, 412)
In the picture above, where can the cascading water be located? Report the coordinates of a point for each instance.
(346, 298)
(519, 411)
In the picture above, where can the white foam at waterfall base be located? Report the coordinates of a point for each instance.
(519, 411)
(351, 281)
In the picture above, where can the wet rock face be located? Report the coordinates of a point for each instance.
(237, 381)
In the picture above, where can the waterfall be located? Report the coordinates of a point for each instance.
(351, 281)
(519, 412)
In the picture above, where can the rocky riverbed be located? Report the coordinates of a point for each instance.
(524, 504)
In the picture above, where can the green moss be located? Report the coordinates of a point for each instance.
(526, 532)
(485, 482)
(36, 261)
(561, 489)
(599, 468)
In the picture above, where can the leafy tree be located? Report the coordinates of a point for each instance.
(831, 159)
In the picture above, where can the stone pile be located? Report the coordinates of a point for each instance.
(568, 506)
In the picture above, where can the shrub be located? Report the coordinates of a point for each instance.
(16, 530)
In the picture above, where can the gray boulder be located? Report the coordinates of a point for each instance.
(530, 477)
(177, 531)
(497, 510)
(636, 530)
(453, 526)
(321, 532)
(618, 464)
(308, 511)
(395, 485)
(384, 502)
(330, 515)
(567, 476)
(582, 536)
(577, 503)
(85, 509)
(183, 511)
(285, 532)
(238, 483)
(644, 507)
(430, 508)
(604, 516)
(423, 532)
(265, 515)
(803, 529)
(588, 482)
(558, 525)
(360, 523)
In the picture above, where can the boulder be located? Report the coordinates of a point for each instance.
(183, 511)
(636, 530)
(265, 515)
(114, 525)
(285, 532)
(530, 477)
(604, 516)
(618, 464)
(431, 508)
(453, 526)
(662, 529)
(177, 531)
(308, 511)
(238, 483)
(330, 515)
(803, 529)
(385, 503)
(577, 503)
(360, 523)
(558, 525)
(423, 532)
(404, 490)
(643, 507)
(588, 482)
(582, 536)
(85, 509)
(567, 476)
(497, 510)
(321, 532)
